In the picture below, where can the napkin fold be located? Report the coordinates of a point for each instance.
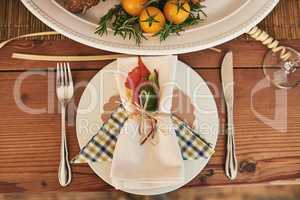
(149, 165)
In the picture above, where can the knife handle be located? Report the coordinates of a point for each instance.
(231, 161)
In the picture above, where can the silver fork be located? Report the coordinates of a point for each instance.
(64, 91)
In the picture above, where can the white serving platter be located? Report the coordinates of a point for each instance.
(227, 19)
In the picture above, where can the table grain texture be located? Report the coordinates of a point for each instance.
(30, 143)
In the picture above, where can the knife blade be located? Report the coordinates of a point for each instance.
(227, 77)
(228, 91)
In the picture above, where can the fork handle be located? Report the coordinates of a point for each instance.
(231, 161)
(64, 171)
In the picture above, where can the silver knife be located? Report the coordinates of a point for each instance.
(228, 91)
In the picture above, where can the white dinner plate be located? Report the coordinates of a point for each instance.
(102, 87)
(226, 20)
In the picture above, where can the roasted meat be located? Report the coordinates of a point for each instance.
(78, 6)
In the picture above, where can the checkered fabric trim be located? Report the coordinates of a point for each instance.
(192, 145)
(101, 147)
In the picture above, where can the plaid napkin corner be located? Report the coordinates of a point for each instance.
(102, 145)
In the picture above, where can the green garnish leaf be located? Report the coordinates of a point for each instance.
(148, 98)
(121, 23)
(153, 77)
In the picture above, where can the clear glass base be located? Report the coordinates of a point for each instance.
(283, 74)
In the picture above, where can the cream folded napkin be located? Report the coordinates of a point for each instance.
(148, 166)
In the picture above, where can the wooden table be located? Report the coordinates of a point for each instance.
(30, 143)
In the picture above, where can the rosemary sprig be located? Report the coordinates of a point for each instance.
(194, 18)
(106, 19)
(127, 26)
(197, 8)
(121, 23)
(171, 28)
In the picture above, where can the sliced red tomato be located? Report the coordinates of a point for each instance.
(137, 76)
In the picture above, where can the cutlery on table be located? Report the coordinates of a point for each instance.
(64, 91)
(228, 91)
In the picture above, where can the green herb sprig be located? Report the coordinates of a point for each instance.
(171, 28)
(121, 23)
(106, 19)
(194, 18)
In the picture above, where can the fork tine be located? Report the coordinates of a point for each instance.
(57, 75)
(69, 74)
(62, 74)
(66, 74)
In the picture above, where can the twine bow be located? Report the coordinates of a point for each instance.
(147, 121)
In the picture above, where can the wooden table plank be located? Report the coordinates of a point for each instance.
(30, 143)
(245, 54)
